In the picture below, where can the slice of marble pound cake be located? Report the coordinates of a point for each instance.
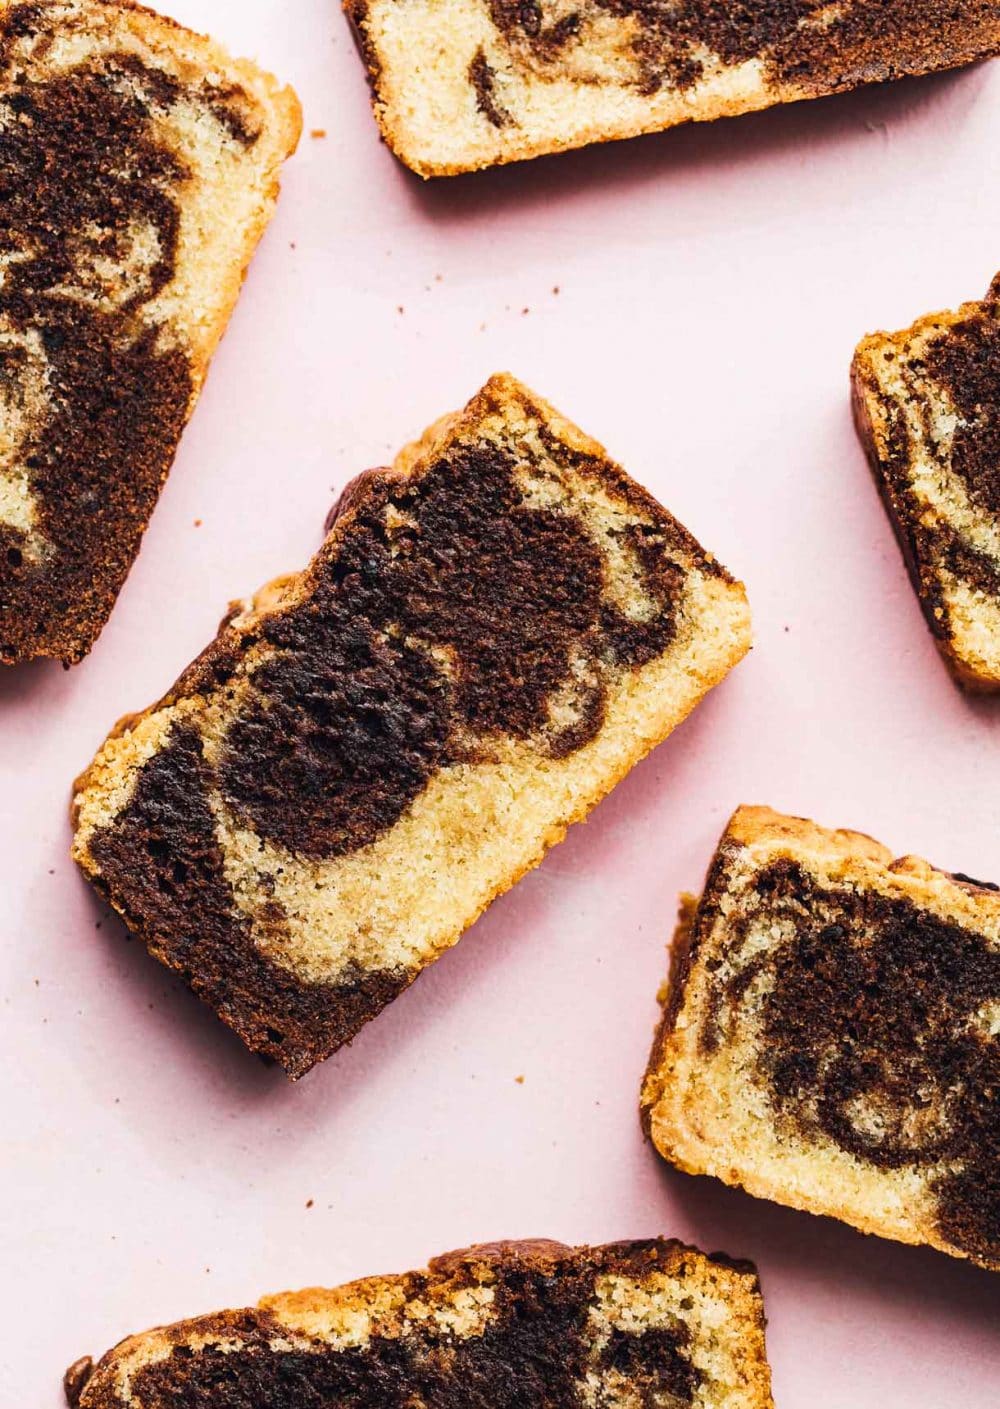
(371, 750)
(927, 406)
(138, 169)
(526, 1325)
(831, 1035)
(463, 84)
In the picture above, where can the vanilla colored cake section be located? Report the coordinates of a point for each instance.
(530, 1325)
(372, 749)
(462, 84)
(927, 407)
(831, 1035)
(138, 168)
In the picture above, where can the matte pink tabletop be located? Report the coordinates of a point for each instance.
(692, 300)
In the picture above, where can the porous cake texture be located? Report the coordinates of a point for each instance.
(526, 1325)
(138, 168)
(372, 749)
(462, 84)
(927, 407)
(831, 1035)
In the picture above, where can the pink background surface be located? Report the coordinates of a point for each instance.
(712, 284)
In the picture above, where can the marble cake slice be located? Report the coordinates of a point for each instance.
(138, 169)
(527, 1325)
(927, 407)
(493, 633)
(831, 1035)
(463, 84)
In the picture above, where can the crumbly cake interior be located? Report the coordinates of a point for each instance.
(137, 170)
(928, 409)
(648, 1325)
(492, 635)
(465, 83)
(832, 1036)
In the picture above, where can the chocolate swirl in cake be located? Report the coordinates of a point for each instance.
(537, 1349)
(449, 619)
(94, 385)
(941, 404)
(163, 862)
(374, 748)
(455, 615)
(676, 44)
(874, 1023)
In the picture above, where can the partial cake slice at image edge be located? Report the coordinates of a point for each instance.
(645, 1322)
(828, 1037)
(140, 168)
(927, 408)
(459, 85)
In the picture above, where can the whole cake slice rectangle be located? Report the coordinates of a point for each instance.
(493, 633)
(463, 84)
(927, 407)
(138, 168)
(831, 1035)
(529, 1325)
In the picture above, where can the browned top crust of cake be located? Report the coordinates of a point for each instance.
(95, 383)
(534, 1343)
(931, 395)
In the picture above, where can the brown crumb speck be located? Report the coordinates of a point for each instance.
(318, 133)
(75, 1380)
(197, 523)
(519, 1080)
(309, 1203)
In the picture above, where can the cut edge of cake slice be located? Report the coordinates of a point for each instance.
(617, 1319)
(458, 85)
(842, 1078)
(110, 347)
(621, 625)
(920, 413)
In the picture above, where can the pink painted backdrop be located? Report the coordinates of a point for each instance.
(711, 286)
